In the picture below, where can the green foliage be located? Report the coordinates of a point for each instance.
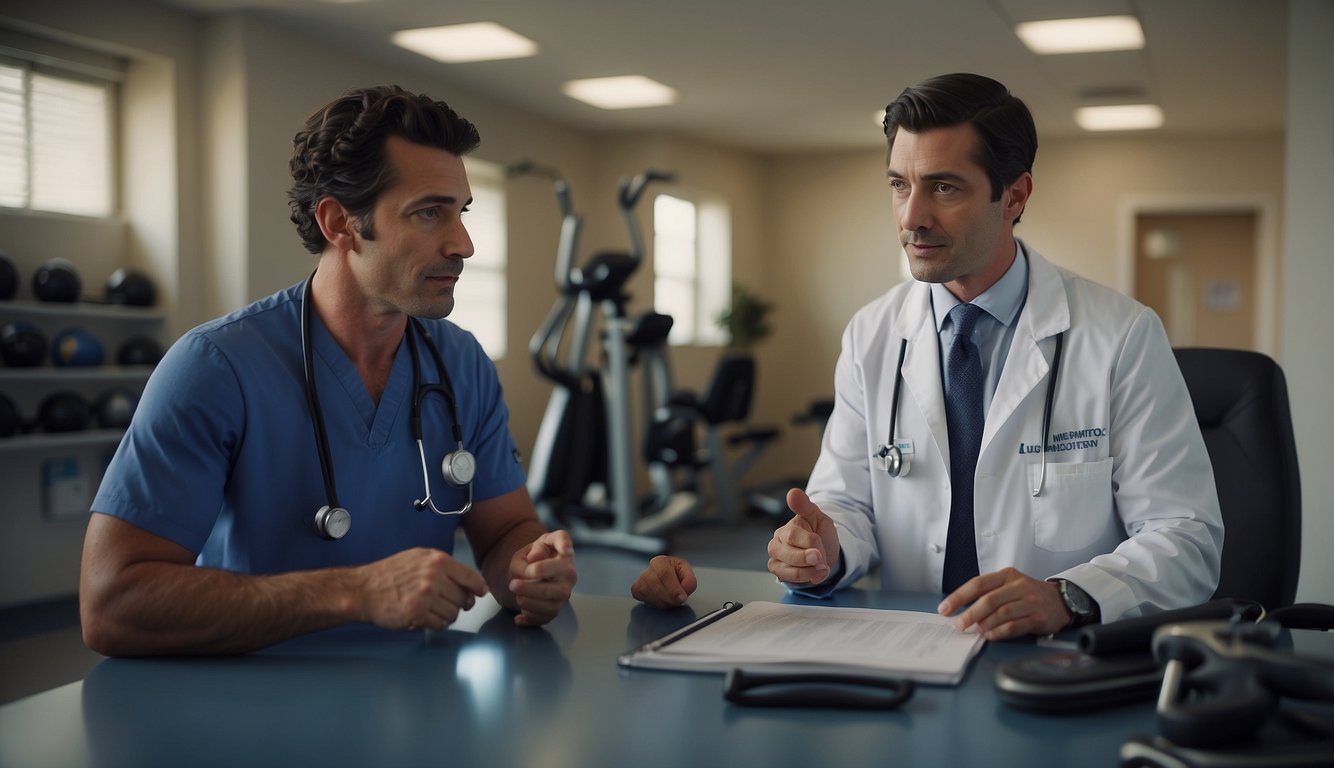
(745, 322)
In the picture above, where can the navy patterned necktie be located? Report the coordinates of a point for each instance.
(964, 416)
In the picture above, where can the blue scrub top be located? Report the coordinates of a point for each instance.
(221, 455)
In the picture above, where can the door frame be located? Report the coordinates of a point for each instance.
(1267, 265)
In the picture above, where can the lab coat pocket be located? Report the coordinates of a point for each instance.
(1075, 504)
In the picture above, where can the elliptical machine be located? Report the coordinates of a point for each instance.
(581, 469)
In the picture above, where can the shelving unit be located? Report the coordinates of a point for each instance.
(27, 387)
(48, 479)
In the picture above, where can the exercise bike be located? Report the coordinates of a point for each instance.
(731, 445)
(581, 472)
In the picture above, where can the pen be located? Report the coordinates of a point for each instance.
(694, 626)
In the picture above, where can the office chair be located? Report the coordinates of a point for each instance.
(1241, 403)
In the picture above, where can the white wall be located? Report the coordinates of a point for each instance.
(1308, 313)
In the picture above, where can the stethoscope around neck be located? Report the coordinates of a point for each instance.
(894, 457)
(332, 521)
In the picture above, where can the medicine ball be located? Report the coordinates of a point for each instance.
(76, 347)
(115, 408)
(9, 417)
(57, 280)
(139, 350)
(126, 286)
(22, 345)
(64, 411)
(9, 277)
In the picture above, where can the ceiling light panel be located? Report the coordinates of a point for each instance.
(627, 92)
(1120, 117)
(460, 43)
(1087, 35)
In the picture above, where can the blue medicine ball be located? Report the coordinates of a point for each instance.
(76, 347)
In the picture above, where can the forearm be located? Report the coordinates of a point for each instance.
(156, 608)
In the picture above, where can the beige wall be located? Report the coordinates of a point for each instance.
(1308, 314)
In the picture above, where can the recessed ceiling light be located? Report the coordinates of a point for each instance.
(624, 92)
(1121, 117)
(458, 43)
(1097, 33)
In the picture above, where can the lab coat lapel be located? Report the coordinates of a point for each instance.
(921, 365)
(1046, 313)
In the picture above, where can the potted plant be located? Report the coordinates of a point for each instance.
(746, 322)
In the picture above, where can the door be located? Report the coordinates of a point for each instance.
(1197, 271)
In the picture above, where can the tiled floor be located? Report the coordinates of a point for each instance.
(41, 646)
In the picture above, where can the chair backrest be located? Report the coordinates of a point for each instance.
(1241, 402)
(731, 389)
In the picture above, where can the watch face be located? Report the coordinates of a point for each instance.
(1076, 599)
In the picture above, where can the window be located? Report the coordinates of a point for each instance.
(692, 267)
(479, 299)
(55, 140)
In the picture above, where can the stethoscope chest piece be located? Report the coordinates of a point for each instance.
(332, 522)
(894, 459)
(459, 467)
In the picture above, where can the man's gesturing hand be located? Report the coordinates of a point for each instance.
(803, 552)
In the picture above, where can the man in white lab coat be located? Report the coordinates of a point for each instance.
(1103, 509)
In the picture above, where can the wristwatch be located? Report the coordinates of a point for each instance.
(1083, 609)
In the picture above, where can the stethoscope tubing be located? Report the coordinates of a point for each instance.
(313, 400)
(893, 454)
(445, 387)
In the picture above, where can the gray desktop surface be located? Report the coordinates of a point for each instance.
(491, 694)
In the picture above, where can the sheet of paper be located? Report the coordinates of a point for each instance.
(920, 645)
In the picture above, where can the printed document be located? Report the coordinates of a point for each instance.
(762, 635)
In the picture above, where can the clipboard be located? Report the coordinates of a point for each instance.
(865, 644)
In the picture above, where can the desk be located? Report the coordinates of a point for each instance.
(491, 694)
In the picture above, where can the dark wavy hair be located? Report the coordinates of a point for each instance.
(1009, 139)
(340, 152)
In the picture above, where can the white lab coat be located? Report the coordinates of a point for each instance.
(1128, 510)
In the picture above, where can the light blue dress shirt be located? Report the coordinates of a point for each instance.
(994, 331)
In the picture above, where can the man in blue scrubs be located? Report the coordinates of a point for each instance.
(210, 532)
